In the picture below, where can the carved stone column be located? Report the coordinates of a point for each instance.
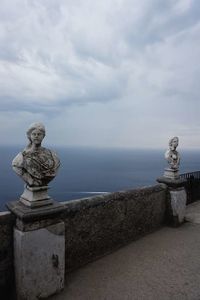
(177, 196)
(39, 250)
(39, 233)
(176, 200)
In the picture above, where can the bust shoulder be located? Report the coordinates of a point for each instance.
(18, 160)
(56, 159)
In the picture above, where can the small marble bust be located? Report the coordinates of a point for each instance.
(36, 165)
(172, 156)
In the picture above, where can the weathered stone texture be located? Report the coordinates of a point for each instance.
(99, 225)
(94, 226)
(28, 219)
(6, 254)
(39, 262)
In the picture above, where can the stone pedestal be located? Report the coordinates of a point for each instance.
(39, 250)
(171, 174)
(178, 204)
(35, 196)
(177, 198)
(39, 261)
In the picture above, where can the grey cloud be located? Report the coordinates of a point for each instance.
(135, 57)
(35, 47)
(158, 22)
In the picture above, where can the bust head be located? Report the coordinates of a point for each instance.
(173, 143)
(36, 133)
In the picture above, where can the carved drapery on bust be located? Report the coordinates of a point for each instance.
(36, 165)
(172, 156)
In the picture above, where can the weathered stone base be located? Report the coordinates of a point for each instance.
(172, 183)
(35, 196)
(39, 262)
(172, 174)
(177, 199)
(178, 205)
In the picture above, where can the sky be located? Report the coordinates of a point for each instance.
(109, 73)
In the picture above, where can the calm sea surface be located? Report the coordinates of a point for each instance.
(86, 172)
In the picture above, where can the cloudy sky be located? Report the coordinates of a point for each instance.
(115, 73)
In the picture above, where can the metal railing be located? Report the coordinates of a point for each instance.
(192, 186)
(191, 175)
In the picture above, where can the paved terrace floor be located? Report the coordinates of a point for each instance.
(160, 266)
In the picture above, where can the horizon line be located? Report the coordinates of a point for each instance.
(103, 147)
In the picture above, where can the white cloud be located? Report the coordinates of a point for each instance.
(105, 71)
(182, 6)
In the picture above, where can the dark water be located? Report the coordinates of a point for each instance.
(85, 172)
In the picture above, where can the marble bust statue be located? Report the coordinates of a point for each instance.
(36, 165)
(172, 156)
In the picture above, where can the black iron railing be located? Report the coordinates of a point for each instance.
(192, 186)
(191, 175)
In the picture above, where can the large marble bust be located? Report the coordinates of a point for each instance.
(36, 165)
(172, 156)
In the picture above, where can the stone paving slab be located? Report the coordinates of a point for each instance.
(193, 213)
(163, 265)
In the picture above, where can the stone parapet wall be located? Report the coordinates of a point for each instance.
(94, 227)
(98, 225)
(6, 252)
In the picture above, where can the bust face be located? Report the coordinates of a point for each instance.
(36, 137)
(174, 144)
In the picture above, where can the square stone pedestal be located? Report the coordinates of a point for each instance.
(35, 196)
(176, 200)
(39, 250)
(39, 257)
(171, 174)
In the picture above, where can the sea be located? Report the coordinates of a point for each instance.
(86, 172)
